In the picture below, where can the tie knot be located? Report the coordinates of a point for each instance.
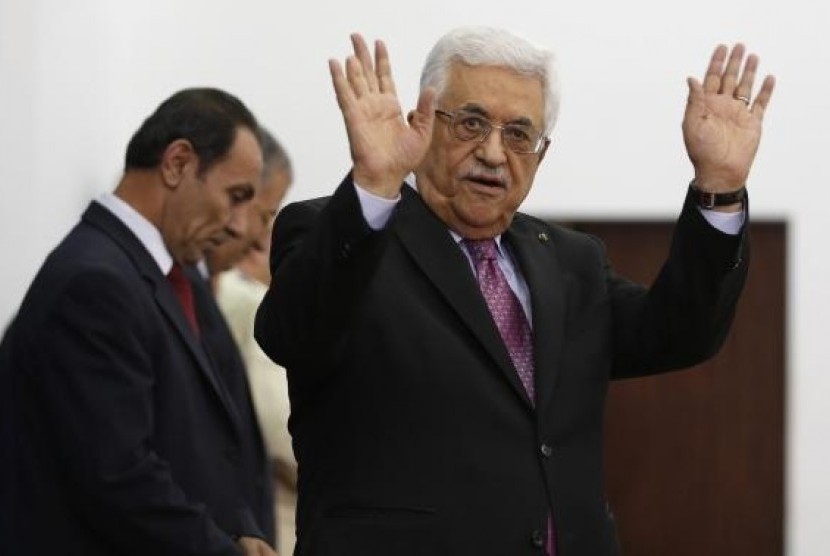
(176, 275)
(482, 249)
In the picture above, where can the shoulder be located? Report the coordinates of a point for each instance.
(88, 272)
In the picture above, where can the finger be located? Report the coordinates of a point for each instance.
(356, 77)
(365, 58)
(744, 88)
(384, 69)
(711, 81)
(342, 89)
(764, 95)
(696, 90)
(730, 75)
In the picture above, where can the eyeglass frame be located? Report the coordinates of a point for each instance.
(541, 142)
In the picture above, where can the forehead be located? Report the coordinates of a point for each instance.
(502, 92)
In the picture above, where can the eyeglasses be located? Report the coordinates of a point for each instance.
(519, 138)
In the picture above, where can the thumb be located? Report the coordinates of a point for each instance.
(423, 118)
(695, 90)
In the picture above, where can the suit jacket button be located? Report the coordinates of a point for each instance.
(345, 251)
(546, 450)
(537, 538)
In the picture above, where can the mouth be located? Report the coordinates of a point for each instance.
(489, 182)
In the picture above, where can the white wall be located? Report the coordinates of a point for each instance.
(76, 78)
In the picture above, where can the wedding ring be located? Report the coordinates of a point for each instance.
(743, 99)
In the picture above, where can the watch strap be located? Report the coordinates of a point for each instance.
(710, 199)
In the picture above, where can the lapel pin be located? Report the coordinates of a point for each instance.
(543, 237)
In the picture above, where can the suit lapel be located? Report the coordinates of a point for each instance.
(171, 307)
(434, 251)
(535, 254)
(164, 297)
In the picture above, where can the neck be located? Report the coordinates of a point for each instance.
(140, 190)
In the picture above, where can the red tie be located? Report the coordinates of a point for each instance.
(184, 291)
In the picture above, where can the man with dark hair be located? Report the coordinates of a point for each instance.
(119, 433)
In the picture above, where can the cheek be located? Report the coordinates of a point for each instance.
(256, 228)
(219, 210)
(444, 165)
(522, 176)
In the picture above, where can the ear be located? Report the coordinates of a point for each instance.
(177, 160)
(544, 149)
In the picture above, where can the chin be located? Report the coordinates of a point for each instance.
(192, 257)
(480, 229)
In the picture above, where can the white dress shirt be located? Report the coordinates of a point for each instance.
(144, 230)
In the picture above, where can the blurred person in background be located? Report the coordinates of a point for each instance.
(239, 276)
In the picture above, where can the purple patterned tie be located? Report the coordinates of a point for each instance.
(512, 324)
(507, 312)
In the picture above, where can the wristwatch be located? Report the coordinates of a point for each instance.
(710, 199)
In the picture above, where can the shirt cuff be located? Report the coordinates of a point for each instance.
(376, 210)
(726, 222)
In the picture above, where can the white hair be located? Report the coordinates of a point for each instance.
(480, 46)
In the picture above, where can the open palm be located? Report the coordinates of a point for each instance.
(384, 146)
(722, 125)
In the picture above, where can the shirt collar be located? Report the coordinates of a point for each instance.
(149, 236)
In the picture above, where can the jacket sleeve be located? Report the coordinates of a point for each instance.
(684, 318)
(323, 255)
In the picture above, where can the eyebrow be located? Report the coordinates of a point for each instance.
(481, 111)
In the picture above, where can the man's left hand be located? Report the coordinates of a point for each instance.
(722, 124)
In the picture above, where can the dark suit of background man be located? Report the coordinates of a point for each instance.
(119, 433)
(413, 432)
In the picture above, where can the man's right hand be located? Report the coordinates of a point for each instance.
(384, 148)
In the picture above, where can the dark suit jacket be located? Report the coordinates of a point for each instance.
(119, 437)
(411, 428)
(223, 352)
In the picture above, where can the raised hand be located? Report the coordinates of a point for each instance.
(722, 124)
(384, 147)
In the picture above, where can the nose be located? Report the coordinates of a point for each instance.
(238, 223)
(491, 151)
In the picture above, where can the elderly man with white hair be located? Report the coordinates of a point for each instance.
(448, 357)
